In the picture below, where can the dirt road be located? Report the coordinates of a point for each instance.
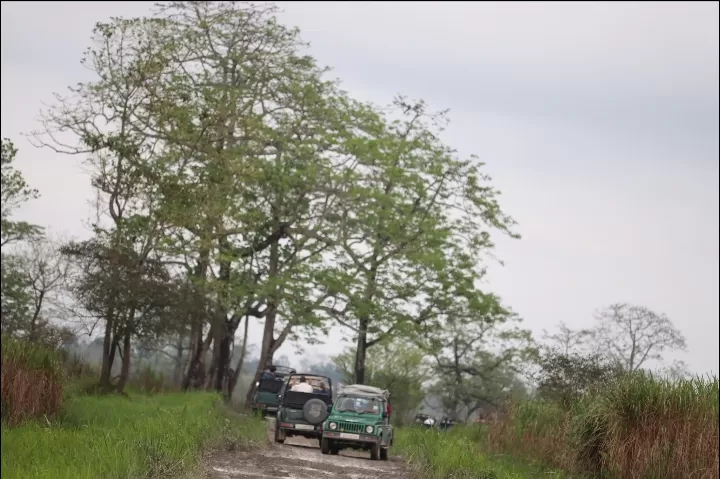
(300, 458)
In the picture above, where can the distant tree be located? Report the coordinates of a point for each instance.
(633, 335)
(46, 272)
(567, 340)
(477, 355)
(564, 377)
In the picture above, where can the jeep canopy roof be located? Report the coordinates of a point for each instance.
(363, 390)
(282, 371)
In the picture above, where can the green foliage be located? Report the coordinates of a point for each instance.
(412, 228)
(14, 191)
(15, 293)
(271, 193)
(15, 296)
(113, 436)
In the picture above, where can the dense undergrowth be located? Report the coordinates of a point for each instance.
(636, 427)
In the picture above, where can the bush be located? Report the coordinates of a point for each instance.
(31, 381)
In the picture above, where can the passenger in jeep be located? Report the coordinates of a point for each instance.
(302, 386)
(269, 373)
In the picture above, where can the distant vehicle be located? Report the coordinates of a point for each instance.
(446, 424)
(421, 418)
(265, 399)
(358, 420)
(302, 413)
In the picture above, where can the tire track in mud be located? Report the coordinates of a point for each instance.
(300, 458)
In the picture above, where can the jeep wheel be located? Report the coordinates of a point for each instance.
(325, 446)
(383, 454)
(375, 451)
(279, 433)
(334, 449)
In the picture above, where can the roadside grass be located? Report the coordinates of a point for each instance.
(163, 435)
(643, 426)
(636, 426)
(459, 453)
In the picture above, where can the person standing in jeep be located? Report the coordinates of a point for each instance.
(269, 373)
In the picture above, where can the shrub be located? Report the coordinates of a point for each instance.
(31, 381)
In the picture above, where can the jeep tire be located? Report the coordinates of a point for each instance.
(279, 433)
(375, 451)
(384, 454)
(325, 446)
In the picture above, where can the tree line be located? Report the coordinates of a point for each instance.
(234, 182)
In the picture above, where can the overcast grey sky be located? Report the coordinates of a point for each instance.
(597, 120)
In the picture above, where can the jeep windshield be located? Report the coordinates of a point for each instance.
(361, 405)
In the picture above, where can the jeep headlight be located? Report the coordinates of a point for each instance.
(369, 429)
(332, 425)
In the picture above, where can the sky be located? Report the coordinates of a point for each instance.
(598, 121)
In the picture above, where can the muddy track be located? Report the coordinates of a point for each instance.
(300, 458)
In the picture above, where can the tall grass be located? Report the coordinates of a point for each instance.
(637, 426)
(31, 381)
(642, 426)
(534, 430)
(111, 436)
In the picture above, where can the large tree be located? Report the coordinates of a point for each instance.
(410, 200)
(211, 136)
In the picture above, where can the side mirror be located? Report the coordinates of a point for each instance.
(329, 408)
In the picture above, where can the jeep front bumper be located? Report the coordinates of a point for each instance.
(351, 437)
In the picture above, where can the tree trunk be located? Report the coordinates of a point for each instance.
(196, 361)
(33, 333)
(268, 341)
(108, 350)
(241, 360)
(364, 320)
(125, 370)
(178, 369)
(360, 352)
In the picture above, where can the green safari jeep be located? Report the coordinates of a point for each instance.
(358, 420)
(265, 400)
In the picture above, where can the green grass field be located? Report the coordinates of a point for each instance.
(116, 437)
